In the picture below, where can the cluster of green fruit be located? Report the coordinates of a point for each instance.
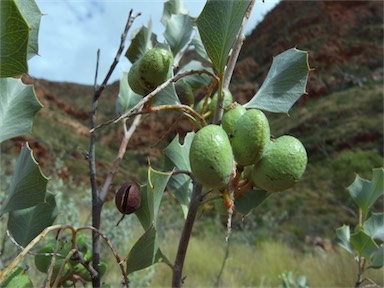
(242, 148)
(73, 271)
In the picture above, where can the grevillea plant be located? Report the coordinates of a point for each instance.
(237, 163)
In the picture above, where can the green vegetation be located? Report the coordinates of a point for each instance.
(262, 269)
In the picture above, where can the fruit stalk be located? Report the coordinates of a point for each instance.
(177, 279)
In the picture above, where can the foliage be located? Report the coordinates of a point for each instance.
(218, 34)
(366, 239)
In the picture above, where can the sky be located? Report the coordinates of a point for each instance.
(71, 32)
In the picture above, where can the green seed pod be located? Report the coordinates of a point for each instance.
(232, 113)
(199, 105)
(228, 99)
(154, 67)
(250, 136)
(134, 79)
(43, 262)
(282, 165)
(185, 92)
(211, 157)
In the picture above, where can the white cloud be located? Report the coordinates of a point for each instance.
(73, 30)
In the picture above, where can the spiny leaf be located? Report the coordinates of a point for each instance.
(376, 260)
(28, 186)
(151, 197)
(173, 7)
(219, 24)
(142, 40)
(14, 37)
(365, 192)
(26, 224)
(145, 252)
(343, 237)
(374, 226)
(32, 15)
(250, 200)
(180, 185)
(363, 243)
(178, 31)
(17, 278)
(284, 84)
(18, 106)
(196, 80)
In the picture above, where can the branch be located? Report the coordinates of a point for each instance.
(97, 202)
(137, 109)
(177, 279)
(118, 54)
(116, 164)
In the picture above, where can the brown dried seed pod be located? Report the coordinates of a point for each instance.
(127, 198)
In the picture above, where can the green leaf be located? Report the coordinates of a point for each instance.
(127, 98)
(343, 238)
(14, 35)
(181, 184)
(365, 192)
(178, 32)
(142, 40)
(284, 84)
(376, 260)
(28, 186)
(374, 226)
(199, 47)
(32, 15)
(363, 243)
(196, 80)
(17, 278)
(26, 224)
(167, 96)
(145, 252)
(18, 106)
(179, 153)
(250, 200)
(219, 24)
(172, 7)
(151, 197)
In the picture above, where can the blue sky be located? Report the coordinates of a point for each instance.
(71, 31)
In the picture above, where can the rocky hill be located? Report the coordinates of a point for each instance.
(340, 120)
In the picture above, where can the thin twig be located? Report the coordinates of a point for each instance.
(118, 54)
(139, 106)
(218, 280)
(116, 163)
(97, 202)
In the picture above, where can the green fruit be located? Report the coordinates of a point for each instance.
(185, 93)
(228, 99)
(134, 79)
(42, 262)
(232, 113)
(154, 67)
(211, 157)
(282, 165)
(200, 104)
(250, 136)
(81, 271)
